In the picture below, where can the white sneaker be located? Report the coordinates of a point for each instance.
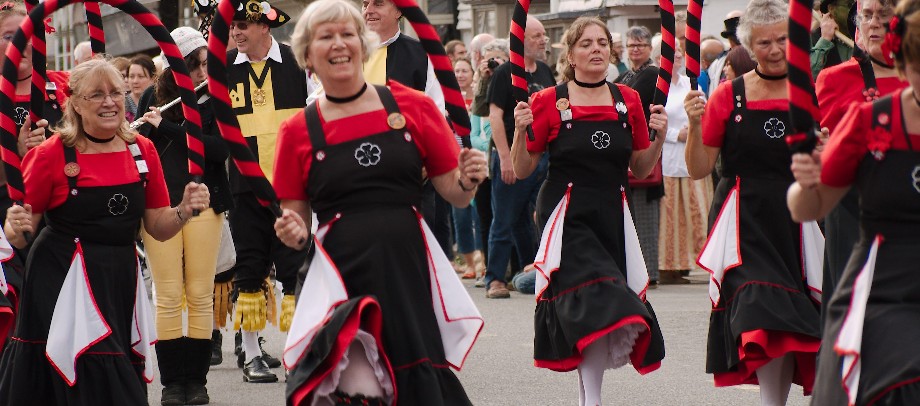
(480, 283)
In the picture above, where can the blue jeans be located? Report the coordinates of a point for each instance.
(512, 219)
(466, 229)
(525, 282)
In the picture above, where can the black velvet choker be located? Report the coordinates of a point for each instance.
(590, 85)
(880, 63)
(341, 100)
(97, 140)
(770, 77)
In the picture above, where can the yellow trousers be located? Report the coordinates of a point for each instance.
(185, 264)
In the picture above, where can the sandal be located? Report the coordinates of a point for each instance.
(470, 274)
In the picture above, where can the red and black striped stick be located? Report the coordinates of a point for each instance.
(14, 54)
(692, 53)
(39, 62)
(803, 102)
(666, 66)
(243, 157)
(516, 36)
(94, 21)
(453, 99)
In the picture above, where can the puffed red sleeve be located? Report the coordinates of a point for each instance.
(39, 167)
(831, 101)
(716, 115)
(433, 137)
(291, 165)
(546, 119)
(156, 193)
(846, 149)
(636, 117)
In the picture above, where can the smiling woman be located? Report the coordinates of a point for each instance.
(355, 156)
(83, 298)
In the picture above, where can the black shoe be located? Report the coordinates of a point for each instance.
(271, 361)
(240, 359)
(173, 395)
(238, 343)
(196, 394)
(257, 371)
(217, 356)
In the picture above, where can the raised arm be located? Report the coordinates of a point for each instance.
(701, 159)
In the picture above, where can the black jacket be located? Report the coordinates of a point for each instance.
(170, 142)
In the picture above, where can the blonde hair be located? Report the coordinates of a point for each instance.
(84, 78)
(573, 34)
(329, 11)
(18, 9)
(910, 40)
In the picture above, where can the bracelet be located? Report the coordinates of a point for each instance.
(463, 188)
(179, 219)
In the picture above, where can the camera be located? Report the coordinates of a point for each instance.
(492, 63)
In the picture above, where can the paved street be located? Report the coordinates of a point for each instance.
(500, 370)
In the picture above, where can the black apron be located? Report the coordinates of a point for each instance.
(767, 291)
(593, 157)
(367, 189)
(106, 220)
(889, 192)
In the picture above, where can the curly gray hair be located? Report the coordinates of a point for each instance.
(500, 44)
(760, 12)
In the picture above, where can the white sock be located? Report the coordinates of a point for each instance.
(581, 390)
(775, 379)
(591, 371)
(251, 345)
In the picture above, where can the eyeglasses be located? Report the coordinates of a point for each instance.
(636, 46)
(882, 17)
(99, 97)
(240, 25)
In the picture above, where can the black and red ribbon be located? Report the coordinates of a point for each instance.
(666, 66)
(518, 82)
(243, 157)
(31, 27)
(94, 21)
(443, 70)
(692, 53)
(803, 102)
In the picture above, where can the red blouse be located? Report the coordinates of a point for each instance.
(547, 120)
(840, 86)
(719, 108)
(46, 185)
(854, 138)
(432, 137)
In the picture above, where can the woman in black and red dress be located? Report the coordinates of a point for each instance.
(875, 71)
(589, 262)
(84, 332)
(764, 327)
(355, 158)
(870, 353)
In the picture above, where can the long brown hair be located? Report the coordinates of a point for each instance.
(83, 79)
(910, 39)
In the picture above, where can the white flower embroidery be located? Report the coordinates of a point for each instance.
(367, 154)
(118, 204)
(916, 178)
(774, 128)
(600, 139)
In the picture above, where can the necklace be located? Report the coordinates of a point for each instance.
(98, 140)
(342, 100)
(590, 85)
(21, 79)
(764, 76)
(880, 63)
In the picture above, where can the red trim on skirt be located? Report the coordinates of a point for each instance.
(636, 356)
(758, 347)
